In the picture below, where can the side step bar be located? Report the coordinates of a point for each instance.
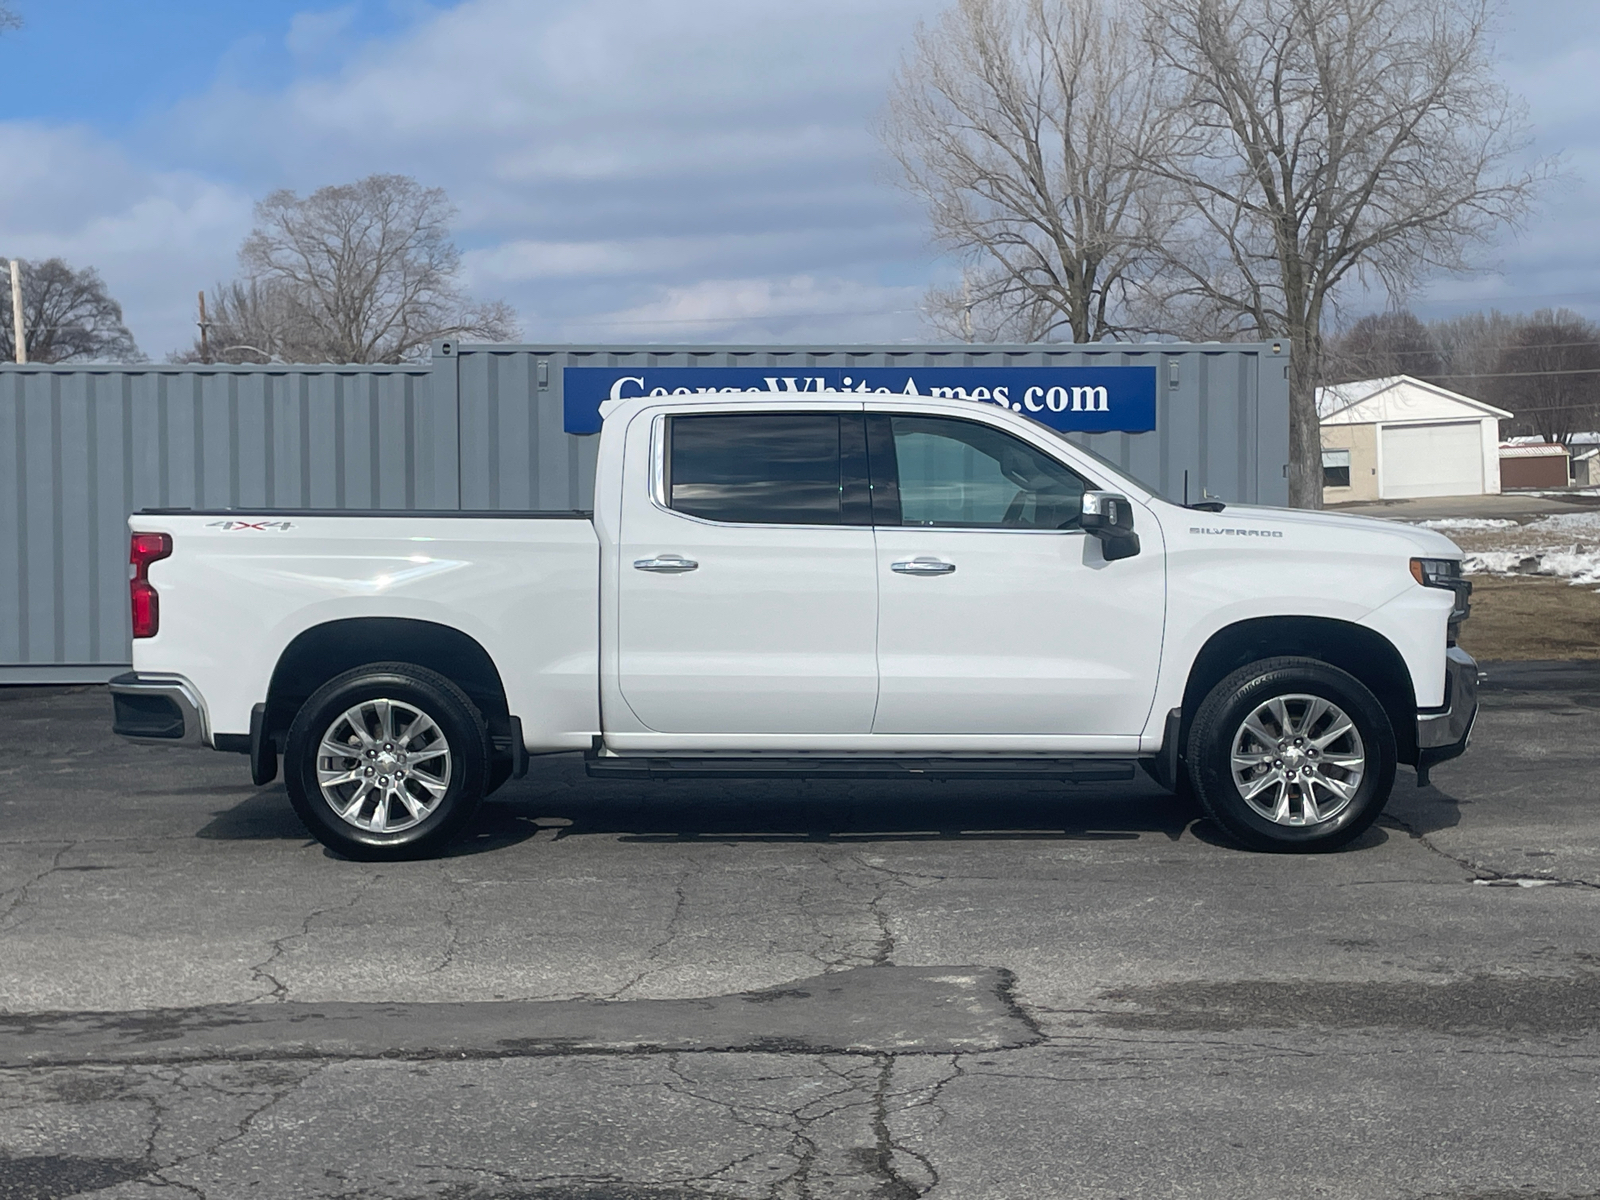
(1071, 770)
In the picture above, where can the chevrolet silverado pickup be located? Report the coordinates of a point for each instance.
(819, 585)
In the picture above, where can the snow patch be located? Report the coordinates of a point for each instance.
(1579, 523)
(1466, 523)
(1581, 567)
(1522, 881)
(1560, 546)
(1500, 562)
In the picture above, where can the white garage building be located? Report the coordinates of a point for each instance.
(1393, 438)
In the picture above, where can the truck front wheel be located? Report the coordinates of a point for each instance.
(1292, 754)
(387, 761)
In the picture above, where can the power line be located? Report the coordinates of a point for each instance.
(1492, 301)
(1515, 374)
(1544, 408)
(1440, 352)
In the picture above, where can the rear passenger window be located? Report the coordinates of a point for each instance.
(757, 468)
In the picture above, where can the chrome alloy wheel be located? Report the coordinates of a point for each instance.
(1298, 760)
(383, 766)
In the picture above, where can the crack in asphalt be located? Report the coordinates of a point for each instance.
(859, 1087)
(669, 933)
(789, 1123)
(278, 991)
(452, 929)
(241, 1129)
(19, 894)
(892, 1182)
(884, 947)
(832, 952)
(1480, 873)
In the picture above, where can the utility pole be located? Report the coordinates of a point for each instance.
(18, 327)
(205, 330)
(966, 306)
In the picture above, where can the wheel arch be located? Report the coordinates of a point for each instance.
(323, 651)
(1364, 653)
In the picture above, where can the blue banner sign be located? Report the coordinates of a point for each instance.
(1077, 399)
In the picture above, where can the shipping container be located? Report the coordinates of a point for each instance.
(512, 428)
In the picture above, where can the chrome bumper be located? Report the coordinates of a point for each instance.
(1444, 733)
(157, 710)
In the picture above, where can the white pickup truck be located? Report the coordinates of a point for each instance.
(832, 585)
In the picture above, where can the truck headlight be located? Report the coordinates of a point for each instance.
(1445, 573)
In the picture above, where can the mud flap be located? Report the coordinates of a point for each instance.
(263, 750)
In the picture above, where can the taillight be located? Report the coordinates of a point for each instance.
(144, 549)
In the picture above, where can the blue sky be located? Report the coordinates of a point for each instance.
(659, 170)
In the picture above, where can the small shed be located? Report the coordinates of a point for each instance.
(1586, 467)
(1534, 465)
(1399, 437)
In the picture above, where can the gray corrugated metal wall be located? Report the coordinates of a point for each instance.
(81, 447)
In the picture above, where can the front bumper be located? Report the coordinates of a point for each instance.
(157, 710)
(1445, 732)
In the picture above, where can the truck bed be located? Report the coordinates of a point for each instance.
(240, 585)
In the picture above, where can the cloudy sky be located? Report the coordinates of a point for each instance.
(656, 170)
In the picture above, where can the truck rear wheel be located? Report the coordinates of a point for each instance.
(1291, 754)
(387, 761)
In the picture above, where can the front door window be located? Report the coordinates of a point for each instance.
(954, 474)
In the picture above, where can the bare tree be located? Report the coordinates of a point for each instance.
(1380, 345)
(1023, 124)
(1326, 140)
(8, 17)
(363, 272)
(251, 322)
(1472, 344)
(68, 316)
(1549, 375)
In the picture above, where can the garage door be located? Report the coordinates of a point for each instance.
(1432, 460)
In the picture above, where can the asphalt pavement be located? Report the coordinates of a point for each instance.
(692, 990)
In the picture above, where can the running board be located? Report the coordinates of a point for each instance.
(1070, 770)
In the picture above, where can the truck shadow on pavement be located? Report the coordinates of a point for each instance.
(1418, 812)
(558, 801)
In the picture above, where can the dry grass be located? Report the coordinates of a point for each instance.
(1523, 617)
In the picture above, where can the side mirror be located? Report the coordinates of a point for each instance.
(1109, 517)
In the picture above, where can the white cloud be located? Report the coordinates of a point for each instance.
(526, 260)
(754, 310)
(156, 237)
(313, 34)
(619, 159)
(601, 149)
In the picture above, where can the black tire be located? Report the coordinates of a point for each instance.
(465, 735)
(1221, 719)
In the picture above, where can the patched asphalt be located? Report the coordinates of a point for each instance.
(860, 1010)
(691, 990)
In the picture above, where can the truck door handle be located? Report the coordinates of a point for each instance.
(666, 564)
(923, 566)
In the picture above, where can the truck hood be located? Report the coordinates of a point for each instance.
(1424, 543)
